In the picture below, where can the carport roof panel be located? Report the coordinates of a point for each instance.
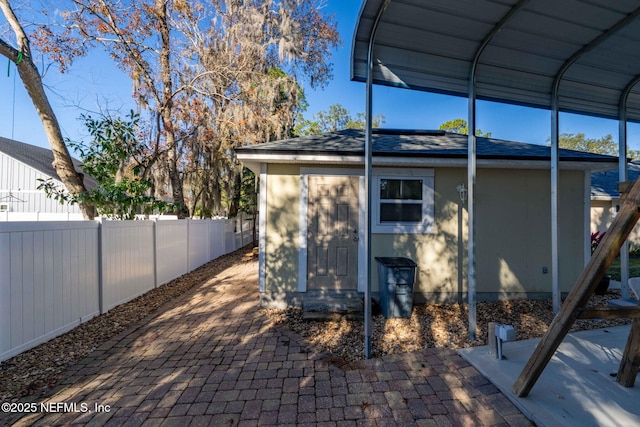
(430, 44)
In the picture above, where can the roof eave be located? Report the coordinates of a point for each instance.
(253, 160)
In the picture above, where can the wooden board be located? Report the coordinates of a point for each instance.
(610, 313)
(631, 357)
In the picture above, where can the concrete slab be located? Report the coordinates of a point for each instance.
(576, 388)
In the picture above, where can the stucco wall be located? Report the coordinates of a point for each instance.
(513, 230)
(513, 238)
(439, 255)
(283, 194)
(513, 235)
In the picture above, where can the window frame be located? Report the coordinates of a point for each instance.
(426, 224)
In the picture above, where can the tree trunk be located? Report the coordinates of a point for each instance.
(167, 112)
(31, 80)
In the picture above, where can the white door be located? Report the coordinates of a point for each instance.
(332, 234)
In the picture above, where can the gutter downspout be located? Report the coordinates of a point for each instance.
(368, 144)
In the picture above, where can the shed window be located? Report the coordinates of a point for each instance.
(404, 203)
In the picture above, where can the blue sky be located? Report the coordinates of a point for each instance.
(94, 83)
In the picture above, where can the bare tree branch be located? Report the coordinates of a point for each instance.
(33, 84)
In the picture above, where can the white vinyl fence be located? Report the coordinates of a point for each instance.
(57, 275)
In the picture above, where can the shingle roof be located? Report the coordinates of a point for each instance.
(38, 158)
(416, 143)
(604, 184)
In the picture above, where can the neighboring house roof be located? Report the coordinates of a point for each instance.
(38, 158)
(348, 145)
(604, 184)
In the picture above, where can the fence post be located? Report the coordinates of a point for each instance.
(241, 230)
(100, 222)
(209, 231)
(188, 244)
(155, 252)
(231, 240)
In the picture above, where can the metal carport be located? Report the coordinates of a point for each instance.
(577, 56)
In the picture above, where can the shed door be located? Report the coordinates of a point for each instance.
(332, 239)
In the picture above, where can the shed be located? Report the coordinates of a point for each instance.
(312, 216)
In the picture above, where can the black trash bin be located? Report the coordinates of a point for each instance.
(396, 276)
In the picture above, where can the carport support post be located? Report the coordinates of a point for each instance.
(471, 199)
(471, 164)
(368, 149)
(622, 177)
(555, 134)
(624, 250)
(367, 184)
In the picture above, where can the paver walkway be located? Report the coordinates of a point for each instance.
(210, 358)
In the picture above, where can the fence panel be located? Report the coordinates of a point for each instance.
(229, 236)
(171, 250)
(48, 281)
(55, 275)
(198, 245)
(216, 238)
(127, 261)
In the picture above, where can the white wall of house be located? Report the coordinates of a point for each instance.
(19, 189)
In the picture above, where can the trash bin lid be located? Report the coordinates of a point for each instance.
(396, 262)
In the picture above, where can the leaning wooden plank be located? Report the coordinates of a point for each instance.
(597, 266)
(610, 313)
(631, 357)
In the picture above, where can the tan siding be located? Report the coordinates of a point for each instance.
(571, 228)
(513, 230)
(282, 228)
(438, 255)
(513, 234)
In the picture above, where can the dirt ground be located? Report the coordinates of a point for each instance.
(431, 325)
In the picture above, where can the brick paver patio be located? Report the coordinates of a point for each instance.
(210, 358)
